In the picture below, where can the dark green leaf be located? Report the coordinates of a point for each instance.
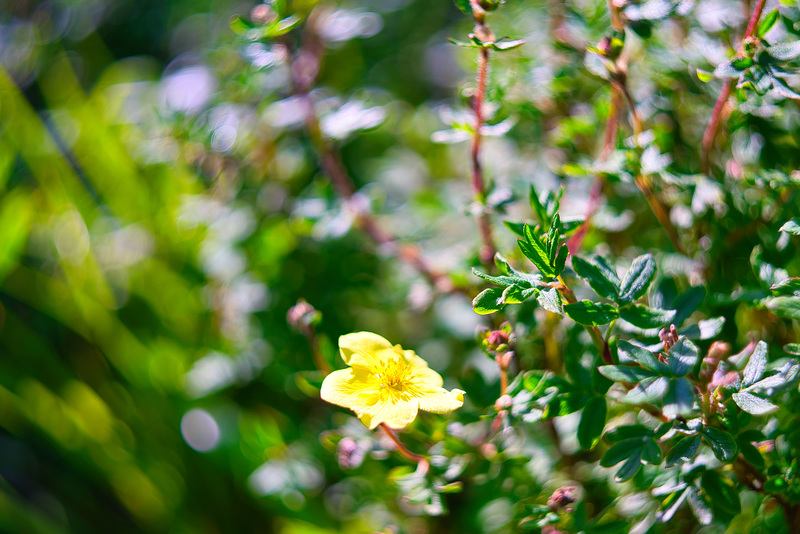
(593, 420)
(705, 329)
(464, 6)
(591, 313)
(753, 404)
(599, 274)
(756, 365)
(516, 228)
(488, 301)
(679, 399)
(648, 390)
(645, 317)
(550, 300)
(642, 356)
(536, 204)
(623, 373)
(624, 432)
(792, 226)
(742, 63)
(721, 491)
(683, 451)
(553, 236)
(792, 348)
(767, 22)
(637, 279)
(621, 451)
(561, 260)
(651, 452)
(750, 453)
(682, 357)
(722, 444)
(629, 468)
(785, 51)
(687, 303)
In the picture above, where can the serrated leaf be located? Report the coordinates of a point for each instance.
(593, 421)
(767, 22)
(550, 300)
(756, 365)
(721, 491)
(643, 357)
(623, 373)
(647, 391)
(722, 444)
(638, 278)
(590, 313)
(753, 404)
(601, 277)
(679, 399)
(792, 226)
(683, 451)
(785, 51)
(646, 317)
(629, 468)
(488, 301)
(682, 357)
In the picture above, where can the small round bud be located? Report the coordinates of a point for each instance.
(263, 14)
(503, 403)
(302, 316)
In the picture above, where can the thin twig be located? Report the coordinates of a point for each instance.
(478, 183)
(597, 336)
(304, 70)
(716, 115)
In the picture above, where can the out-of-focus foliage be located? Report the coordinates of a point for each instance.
(175, 176)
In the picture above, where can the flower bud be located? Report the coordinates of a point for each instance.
(302, 317)
(263, 14)
(561, 498)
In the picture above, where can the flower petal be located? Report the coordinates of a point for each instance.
(440, 400)
(395, 413)
(346, 387)
(362, 349)
(426, 378)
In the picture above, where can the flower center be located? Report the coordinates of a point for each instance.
(394, 374)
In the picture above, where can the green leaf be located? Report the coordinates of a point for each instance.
(679, 399)
(792, 226)
(553, 236)
(742, 63)
(464, 6)
(536, 205)
(590, 313)
(550, 300)
(790, 287)
(726, 70)
(722, 444)
(705, 329)
(756, 365)
(704, 75)
(516, 228)
(750, 452)
(504, 281)
(642, 356)
(623, 373)
(683, 451)
(792, 348)
(648, 390)
(561, 260)
(624, 432)
(629, 468)
(534, 250)
(767, 23)
(488, 301)
(721, 491)
(593, 421)
(645, 317)
(638, 278)
(651, 452)
(601, 277)
(682, 357)
(518, 295)
(753, 404)
(785, 51)
(504, 43)
(16, 216)
(687, 303)
(788, 307)
(621, 451)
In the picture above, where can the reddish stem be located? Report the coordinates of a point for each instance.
(402, 449)
(478, 183)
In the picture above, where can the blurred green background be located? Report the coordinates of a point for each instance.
(161, 210)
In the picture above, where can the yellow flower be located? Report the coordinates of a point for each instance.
(386, 384)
